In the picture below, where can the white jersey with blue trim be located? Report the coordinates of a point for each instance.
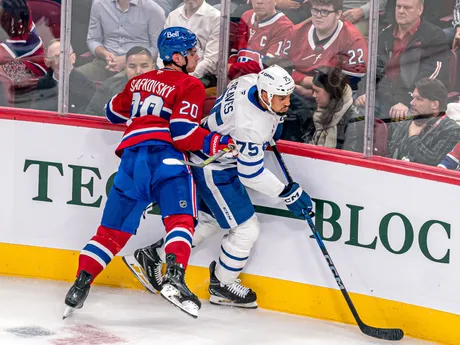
(238, 113)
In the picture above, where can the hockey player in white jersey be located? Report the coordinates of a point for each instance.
(249, 112)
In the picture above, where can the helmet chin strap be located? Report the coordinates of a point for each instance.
(183, 67)
(269, 105)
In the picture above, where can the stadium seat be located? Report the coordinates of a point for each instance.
(208, 104)
(233, 34)
(452, 86)
(380, 138)
(46, 15)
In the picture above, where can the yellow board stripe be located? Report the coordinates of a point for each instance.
(274, 294)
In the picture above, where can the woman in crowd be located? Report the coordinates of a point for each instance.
(334, 111)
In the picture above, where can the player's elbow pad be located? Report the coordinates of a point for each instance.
(112, 115)
(262, 181)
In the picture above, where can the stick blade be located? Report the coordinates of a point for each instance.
(382, 333)
(172, 161)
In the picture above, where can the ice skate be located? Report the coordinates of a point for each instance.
(77, 293)
(176, 291)
(146, 265)
(231, 295)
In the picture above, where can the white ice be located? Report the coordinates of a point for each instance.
(31, 314)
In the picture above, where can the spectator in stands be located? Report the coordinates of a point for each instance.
(168, 5)
(326, 41)
(408, 51)
(22, 52)
(262, 32)
(116, 26)
(204, 21)
(81, 89)
(138, 61)
(357, 13)
(456, 25)
(334, 111)
(431, 134)
(452, 160)
(453, 111)
(296, 10)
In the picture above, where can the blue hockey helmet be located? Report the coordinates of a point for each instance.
(175, 39)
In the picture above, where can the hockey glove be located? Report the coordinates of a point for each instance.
(214, 142)
(297, 201)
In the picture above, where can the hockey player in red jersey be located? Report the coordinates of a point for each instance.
(262, 32)
(163, 110)
(326, 41)
(452, 160)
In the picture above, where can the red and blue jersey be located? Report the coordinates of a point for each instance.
(259, 39)
(165, 105)
(27, 48)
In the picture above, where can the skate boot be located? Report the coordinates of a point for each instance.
(176, 291)
(146, 265)
(77, 293)
(231, 295)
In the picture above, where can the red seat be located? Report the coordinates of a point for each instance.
(380, 138)
(208, 104)
(46, 15)
(233, 34)
(453, 75)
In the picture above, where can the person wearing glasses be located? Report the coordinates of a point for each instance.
(326, 41)
(81, 90)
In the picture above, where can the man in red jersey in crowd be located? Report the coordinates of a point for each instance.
(452, 160)
(163, 110)
(326, 41)
(262, 32)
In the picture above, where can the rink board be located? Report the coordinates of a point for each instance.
(393, 236)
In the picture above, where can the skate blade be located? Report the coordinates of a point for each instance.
(228, 303)
(67, 312)
(138, 272)
(171, 294)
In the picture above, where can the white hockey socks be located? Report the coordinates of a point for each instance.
(235, 249)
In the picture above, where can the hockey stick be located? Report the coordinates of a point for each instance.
(173, 161)
(381, 333)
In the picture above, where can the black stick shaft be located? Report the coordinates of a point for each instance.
(281, 161)
(382, 333)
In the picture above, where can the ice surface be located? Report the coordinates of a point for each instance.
(31, 313)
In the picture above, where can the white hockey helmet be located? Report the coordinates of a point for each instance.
(274, 80)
